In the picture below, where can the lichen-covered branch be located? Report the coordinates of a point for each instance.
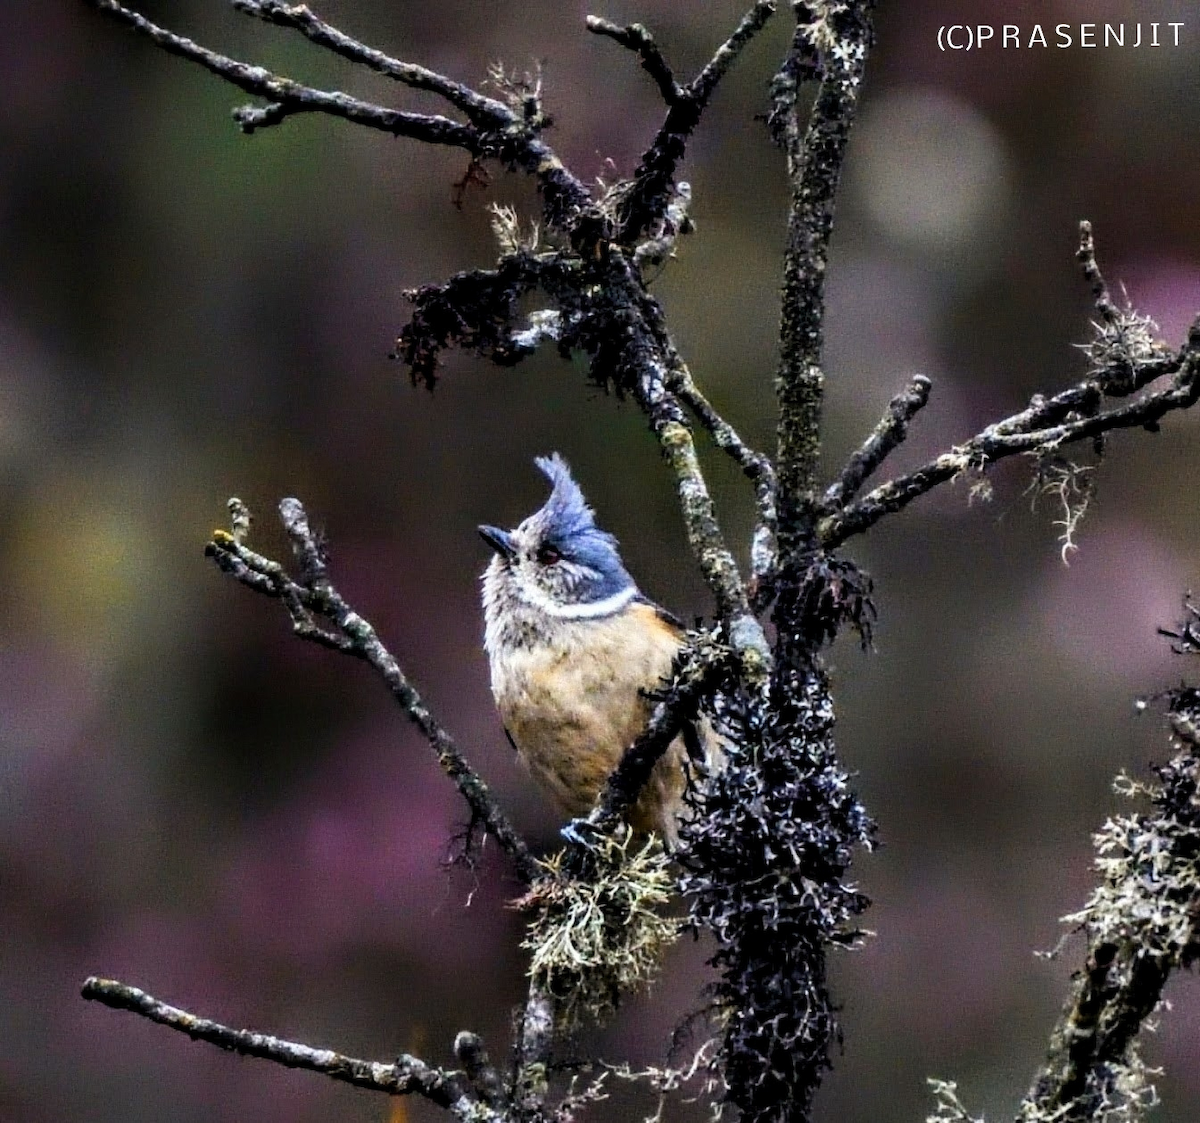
(405, 1076)
(644, 200)
(314, 597)
(757, 467)
(649, 364)
(1045, 426)
(508, 131)
(1142, 923)
(286, 98)
(766, 854)
(830, 44)
(887, 436)
(482, 111)
(635, 37)
(1124, 358)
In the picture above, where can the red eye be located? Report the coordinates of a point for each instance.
(548, 555)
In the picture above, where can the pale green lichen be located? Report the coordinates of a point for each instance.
(592, 939)
(1147, 899)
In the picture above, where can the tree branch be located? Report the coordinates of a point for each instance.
(287, 98)
(315, 596)
(1031, 431)
(649, 360)
(482, 111)
(699, 669)
(636, 38)
(1142, 923)
(499, 131)
(1125, 358)
(887, 436)
(645, 200)
(405, 1076)
(833, 47)
(756, 465)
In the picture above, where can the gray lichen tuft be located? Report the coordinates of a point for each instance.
(1141, 924)
(948, 1108)
(597, 937)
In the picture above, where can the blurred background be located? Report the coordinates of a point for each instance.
(196, 803)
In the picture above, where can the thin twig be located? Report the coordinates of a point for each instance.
(888, 435)
(355, 636)
(287, 98)
(649, 194)
(703, 85)
(756, 465)
(513, 139)
(1086, 256)
(636, 38)
(670, 425)
(483, 111)
(405, 1076)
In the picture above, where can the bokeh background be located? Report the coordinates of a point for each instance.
(195, 802)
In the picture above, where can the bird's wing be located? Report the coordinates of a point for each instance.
(666, 617)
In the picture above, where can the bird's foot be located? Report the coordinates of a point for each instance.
(582, 833)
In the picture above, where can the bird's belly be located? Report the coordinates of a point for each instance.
(571, 732)
(572, 712)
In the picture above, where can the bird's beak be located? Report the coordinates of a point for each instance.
(500, 541)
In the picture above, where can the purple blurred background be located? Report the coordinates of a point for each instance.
(194, 802)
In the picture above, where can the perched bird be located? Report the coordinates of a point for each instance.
(573, 648)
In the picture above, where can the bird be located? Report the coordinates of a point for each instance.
(574, 648)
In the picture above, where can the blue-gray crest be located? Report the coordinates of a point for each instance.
(558, 560)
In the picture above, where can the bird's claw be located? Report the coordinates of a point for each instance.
(582, 833)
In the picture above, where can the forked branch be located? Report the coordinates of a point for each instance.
(1125, 360)
(314, 598)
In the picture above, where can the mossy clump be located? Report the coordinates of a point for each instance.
(593, 937)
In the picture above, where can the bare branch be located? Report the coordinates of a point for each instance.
(1086, 256)
(315, 596)
(405, 1076)
(887, 436)
(288, 98)
(482, 111)
(636, 38)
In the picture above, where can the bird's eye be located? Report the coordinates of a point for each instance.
(548, 555)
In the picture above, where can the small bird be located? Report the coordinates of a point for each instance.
(574, 648)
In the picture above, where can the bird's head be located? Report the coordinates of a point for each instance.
(557, 561)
